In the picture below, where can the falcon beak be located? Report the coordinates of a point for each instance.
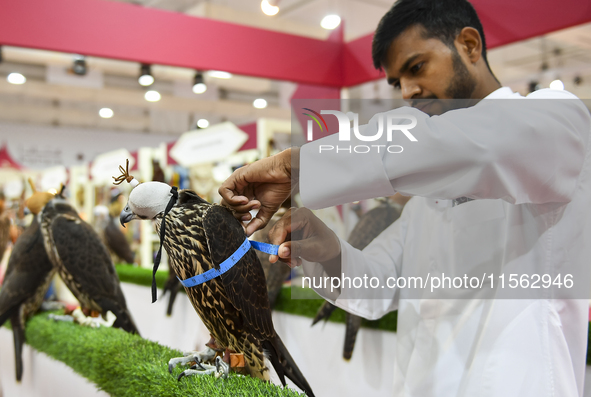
(126, 216)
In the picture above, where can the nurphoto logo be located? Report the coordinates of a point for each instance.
(390, 120)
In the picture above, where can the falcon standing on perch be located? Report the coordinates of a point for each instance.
(201, 238)
(83, 262)
(28, 275)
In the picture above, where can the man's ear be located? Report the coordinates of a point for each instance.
(469, 43)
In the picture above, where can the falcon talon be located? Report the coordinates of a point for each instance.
(198, 364)
(222, 368)
(191, 372)
(197, 356)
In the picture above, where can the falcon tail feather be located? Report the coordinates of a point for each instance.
(324, 312)
(18, 334)
(285, 366)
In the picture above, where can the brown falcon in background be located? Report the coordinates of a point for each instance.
(83, 262)
(275, 273)
(234, 306)
(369, 226)
(114, 238)
(4, 229)
(27, 279)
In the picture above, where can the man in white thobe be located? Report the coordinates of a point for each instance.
(501, 187)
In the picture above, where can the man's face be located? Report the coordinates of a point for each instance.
(428, 72)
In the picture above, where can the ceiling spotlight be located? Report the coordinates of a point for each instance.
(199, 86)
(557, 85)
(219, 74)
(330, 21)
(146, 78)
(79, 65)
(106, 113)
(16, 78)
(268, 8)
(202, 123)
(152, 96)
(259, 103)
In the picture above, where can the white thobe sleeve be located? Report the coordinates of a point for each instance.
(381, 259)
(521, 150)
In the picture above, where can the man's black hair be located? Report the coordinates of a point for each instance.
(442, 19)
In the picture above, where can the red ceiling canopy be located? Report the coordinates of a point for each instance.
(135, 33)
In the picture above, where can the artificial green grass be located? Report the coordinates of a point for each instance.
(125, 365)
(140, 275)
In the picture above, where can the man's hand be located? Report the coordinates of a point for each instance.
(263, 185)
(302, 235)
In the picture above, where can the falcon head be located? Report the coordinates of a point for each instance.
(146, 201)
(37, 201)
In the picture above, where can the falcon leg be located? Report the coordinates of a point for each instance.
(199, 357)
(219, 370)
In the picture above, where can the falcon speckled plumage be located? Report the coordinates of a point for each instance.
(275, 274)
(234, 307)
(83, 262)
(370, 225)
(26, 281)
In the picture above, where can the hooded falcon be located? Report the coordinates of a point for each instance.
(27, 279)
(370, 225)
(234, 305)
(83, 262)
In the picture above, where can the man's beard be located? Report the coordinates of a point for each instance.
(460, 89)
(462, 84)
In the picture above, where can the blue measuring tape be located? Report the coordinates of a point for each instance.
(231, 261)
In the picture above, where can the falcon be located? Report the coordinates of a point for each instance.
(234, 305)
(4, 228)
(28, 275)
(370, 225)
(83, 262)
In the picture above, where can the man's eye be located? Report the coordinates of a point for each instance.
(416, 67)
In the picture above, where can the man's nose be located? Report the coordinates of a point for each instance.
(409, 89)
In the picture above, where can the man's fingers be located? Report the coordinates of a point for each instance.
(233, 187)
(260, 221)
(244, 208)
(278, 233)
(231, 200)
(287, 256)
(254, 225)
